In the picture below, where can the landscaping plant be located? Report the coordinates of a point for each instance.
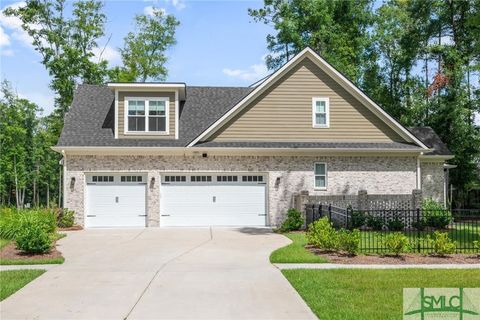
(435, 215)
(357, 219)
(396, 243)
(293, 222)
(32, 238)
(322, 235)
(375, 223)
(395, 224)
(349, 241)
(65, 218)
(441, 243)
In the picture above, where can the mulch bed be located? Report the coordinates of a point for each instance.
(407, 258)
(73, 228)
(11, 252)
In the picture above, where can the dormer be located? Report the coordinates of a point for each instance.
(147, 110)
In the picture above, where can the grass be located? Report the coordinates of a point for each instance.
(3, 243)
(13, 280)
(295, 252)
(370, 294)
(26, 261)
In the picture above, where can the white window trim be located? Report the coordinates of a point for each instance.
(327, 112)
(315, 175)
(147, 103)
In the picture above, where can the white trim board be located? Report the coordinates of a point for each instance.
(327, 68)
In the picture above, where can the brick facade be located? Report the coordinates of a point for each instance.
(433, 178)
(346, 175)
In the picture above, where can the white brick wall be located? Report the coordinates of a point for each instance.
(433, 177)
(346, 175)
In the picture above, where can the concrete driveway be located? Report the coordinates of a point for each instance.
(186, 273)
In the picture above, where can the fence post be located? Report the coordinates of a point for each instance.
(320, 210)
(300, 203)
(362, 200)
(330, 212)
(418, 231)
(347, 213)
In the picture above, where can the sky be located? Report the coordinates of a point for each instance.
(218, 43)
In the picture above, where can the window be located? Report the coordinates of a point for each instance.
(320, 175)
(147, 115)
(136, 115)
(252, 178)
(320, 112)
(175, 178)
(131, 178)
(227, 178)
(201, 178)
(157, 118)
(102, 178)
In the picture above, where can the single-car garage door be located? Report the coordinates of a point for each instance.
(213, 200)
(115, 201)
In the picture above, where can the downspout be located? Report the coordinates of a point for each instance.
(419, 173)
(64, 162)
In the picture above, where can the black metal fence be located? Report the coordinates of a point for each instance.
(462, 226)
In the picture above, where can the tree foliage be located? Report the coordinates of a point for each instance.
(143, 54)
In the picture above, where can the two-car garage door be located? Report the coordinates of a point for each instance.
(185, 200)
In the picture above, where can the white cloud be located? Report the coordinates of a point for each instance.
(4, 38)
(177, 4)
(7, 52)
(254, 72)
(13, 25)
(107, 53)
(150, 10)
(45, 100)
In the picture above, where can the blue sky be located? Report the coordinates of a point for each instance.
(218, 44)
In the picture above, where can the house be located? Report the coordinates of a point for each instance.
(169, 154)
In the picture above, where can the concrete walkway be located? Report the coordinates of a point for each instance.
(162, 274)
(283, 266)
(29, 266)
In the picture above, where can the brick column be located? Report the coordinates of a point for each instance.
(417, 198)
(362, 200)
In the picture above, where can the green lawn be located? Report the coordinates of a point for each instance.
(13, 280)
(295, 252)
(369, 294)
(57, 260)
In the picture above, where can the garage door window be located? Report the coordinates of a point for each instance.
(175, 178)
(201, 178)
(227, 178)
(252, 178)
(102, 178)
(131, 178)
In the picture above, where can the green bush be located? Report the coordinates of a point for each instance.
(32, 238)
(376, 223)
(8, 224)
(441, 243)
(435, 215)
(65, 218)
(396, 243)
(395, 224)
(12, 221)
(357, 220)
(293, 222)
(419, 224)
(349, 241)
(322, 235)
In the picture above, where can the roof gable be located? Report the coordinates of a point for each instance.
(328, 69)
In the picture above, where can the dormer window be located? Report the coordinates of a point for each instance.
(147, 115)
(320, 112)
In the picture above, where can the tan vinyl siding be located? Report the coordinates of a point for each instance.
(121, 114)
(284, 113)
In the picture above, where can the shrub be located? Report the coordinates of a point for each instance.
(8, 224)
(32, 238)
(65, 218)
(357, 219)
(376, 223)
(441, 243)
(349, 241)
(293, 222)
(12, 221)
(435, 215)
(396, 243)
(395, 224)
(322, 235)
(419, 224)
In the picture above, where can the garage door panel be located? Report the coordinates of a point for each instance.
(214, 204)
(115, 206)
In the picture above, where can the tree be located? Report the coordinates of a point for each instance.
(65, 42)
(338, 30)
(143, 54)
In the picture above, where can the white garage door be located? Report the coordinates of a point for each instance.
(213, 200)
(115, 202)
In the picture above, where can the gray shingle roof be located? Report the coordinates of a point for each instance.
(431, 140)
(90, 123)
